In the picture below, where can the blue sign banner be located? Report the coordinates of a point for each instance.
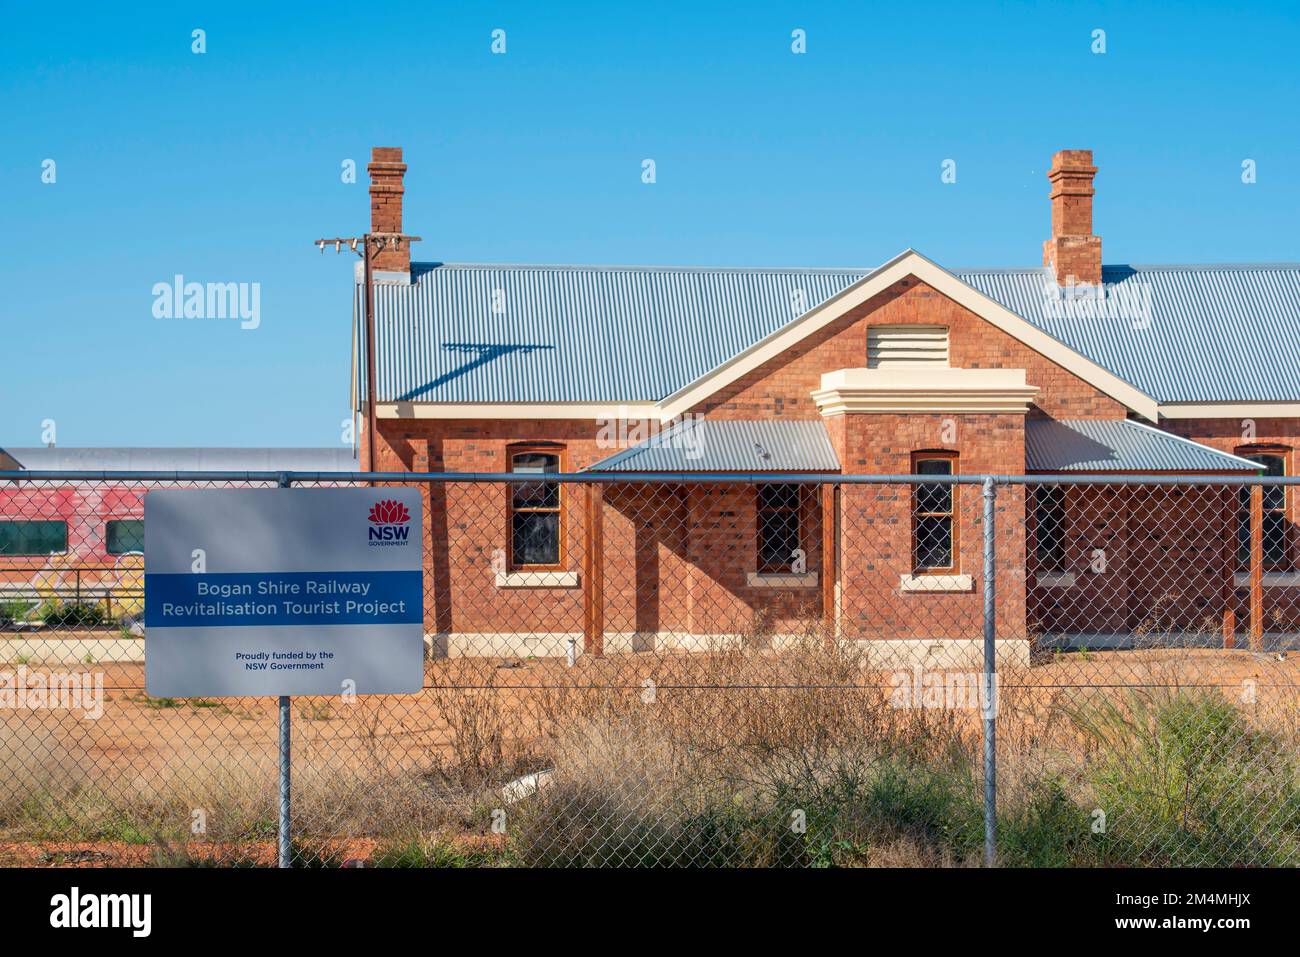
(259, 599)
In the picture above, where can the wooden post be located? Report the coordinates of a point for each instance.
(593, 578)
(587, 536)
(1229, 626)
(828, 568)
(1257, 568)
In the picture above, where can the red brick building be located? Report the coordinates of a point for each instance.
(904, 369)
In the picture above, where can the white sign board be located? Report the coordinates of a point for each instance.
(283, 592)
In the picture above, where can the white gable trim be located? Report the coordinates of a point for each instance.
(908, 263)
(591, 411)
(1230, 410)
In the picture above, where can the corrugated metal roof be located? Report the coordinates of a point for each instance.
(476, 333)
(1178, 333)
(500, 333)
(184, 459)
(1117, 445)
(730, 445)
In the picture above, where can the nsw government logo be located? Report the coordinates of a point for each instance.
(390, 524)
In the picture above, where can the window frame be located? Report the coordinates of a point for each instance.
(37, 521)
(954, 533)
(1288, 560)
(560, 453)
(108, 549)
(797, 509)
(1042, 494)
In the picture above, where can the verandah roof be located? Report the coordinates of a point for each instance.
(1118, 445)
(730, 445)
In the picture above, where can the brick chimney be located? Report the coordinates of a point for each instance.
(1073, 252)
(386, 170)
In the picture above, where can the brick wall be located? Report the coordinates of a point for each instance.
(1154, 561)
(877, 523)
(1227, 435)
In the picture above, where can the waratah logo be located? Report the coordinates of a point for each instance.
(389, 523)
(389, 512)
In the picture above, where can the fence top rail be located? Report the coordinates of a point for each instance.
(607, 478)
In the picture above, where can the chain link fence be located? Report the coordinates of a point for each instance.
(699, 670)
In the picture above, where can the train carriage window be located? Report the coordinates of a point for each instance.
(123, 535)
(22, 537)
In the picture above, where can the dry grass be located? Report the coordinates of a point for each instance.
(748, 756)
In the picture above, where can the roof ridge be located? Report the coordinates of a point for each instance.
(1156, 267)
(832, 270)
(633, 267)
(1138, 267)
(172, 448)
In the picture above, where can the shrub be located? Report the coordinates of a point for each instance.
(1184, 780)
(440, 850)
(1045, 828)
(72, 615)
(14, 610)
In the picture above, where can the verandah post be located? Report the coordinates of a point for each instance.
(593, 572)
(830, 543)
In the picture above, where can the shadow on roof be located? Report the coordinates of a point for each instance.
(482, 352)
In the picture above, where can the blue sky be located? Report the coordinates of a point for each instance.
(225, 166)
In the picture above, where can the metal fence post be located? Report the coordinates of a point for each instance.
(990, 677)
(283, 848)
